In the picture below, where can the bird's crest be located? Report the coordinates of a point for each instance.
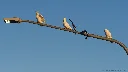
(105, 29)
(37, 12)
(64, 20)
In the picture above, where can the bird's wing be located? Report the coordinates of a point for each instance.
(41, 16)
(107, 33)
(68, 25)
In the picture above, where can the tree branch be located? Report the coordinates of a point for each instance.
(76, 32)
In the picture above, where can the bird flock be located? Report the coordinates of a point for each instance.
(66, 27)
(41, 19)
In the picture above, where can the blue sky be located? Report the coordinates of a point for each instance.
(30, 48)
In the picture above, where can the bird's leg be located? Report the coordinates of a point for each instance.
(41, 23)
(37, 22)
(87, 34)
(109, 38)
(65, 28)
(111, 41)
(86, 37)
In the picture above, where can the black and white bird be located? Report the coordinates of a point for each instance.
(85, 31)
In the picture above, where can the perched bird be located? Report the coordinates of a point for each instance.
(107, 33)
(39, 17)
(85, 31)
(66, 25)
(74, 27)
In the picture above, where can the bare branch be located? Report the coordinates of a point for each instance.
(76, 32)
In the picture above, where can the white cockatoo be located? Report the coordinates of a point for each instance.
(66, 25)
(39, 17)
(107, 33)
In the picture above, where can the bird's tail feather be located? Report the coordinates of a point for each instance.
(44, 21)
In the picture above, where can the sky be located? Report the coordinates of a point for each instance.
(27, 47)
